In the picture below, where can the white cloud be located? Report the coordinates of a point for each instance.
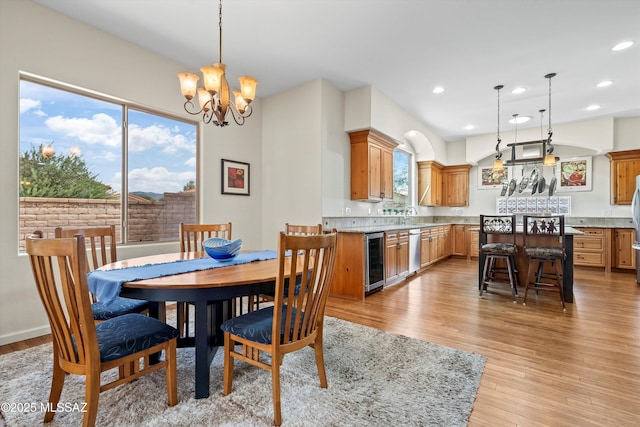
(99, 129)
(158, 180)
(158, 138)
(27, 104)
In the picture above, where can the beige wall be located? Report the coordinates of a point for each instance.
(37, 40)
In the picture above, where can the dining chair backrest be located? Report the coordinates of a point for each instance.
(303, 282)
(302, 230)
(101, 240)
(60, 271)
(543, 225)
(497, 224)
(192, 235)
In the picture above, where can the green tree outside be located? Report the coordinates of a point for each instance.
(59, 176)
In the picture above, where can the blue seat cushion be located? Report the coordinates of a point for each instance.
(131, 333)
(117, 307)
(500, 248)
(545, 252)
(255, 325)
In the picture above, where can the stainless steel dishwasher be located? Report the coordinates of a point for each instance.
(414, 250)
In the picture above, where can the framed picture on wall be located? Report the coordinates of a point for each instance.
(574, 174)
(490, 180)
(235, 177)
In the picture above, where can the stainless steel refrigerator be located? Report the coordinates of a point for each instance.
(635, 213)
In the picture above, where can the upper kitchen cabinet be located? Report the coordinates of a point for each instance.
(371, 166)
(430, 183)
(625, 166)
(440, 185)
(456, 185)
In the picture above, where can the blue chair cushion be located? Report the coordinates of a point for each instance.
(129, 334)
(500, 248)
(117, 307)
(545, 252)
(254, 326)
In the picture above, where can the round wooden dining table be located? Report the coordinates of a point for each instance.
(211, 291)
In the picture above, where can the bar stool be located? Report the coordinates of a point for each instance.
(504, 251)
(537, 228)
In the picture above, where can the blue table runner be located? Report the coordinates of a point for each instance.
(106, 285)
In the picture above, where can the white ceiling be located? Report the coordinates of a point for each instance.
(404, 48)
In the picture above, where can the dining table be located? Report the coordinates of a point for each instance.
(210, 290)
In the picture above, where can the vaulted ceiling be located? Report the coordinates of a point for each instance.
(405, 48)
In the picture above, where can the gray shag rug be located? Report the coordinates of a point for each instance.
(375, 379)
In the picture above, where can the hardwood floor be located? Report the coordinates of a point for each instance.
(544, 367)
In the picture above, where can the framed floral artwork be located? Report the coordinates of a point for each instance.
(235, 177)
(574, 174)
(490, 180)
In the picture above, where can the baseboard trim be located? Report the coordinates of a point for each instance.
(24, 335)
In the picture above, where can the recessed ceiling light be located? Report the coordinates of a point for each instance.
(438, 89)
(593, 107)
(605, 83)
(520, 119)
(622, 46)
(469, 127)
(519, 90)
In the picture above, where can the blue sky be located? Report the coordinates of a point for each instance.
(162, 152)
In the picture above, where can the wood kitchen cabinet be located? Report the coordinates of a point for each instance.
(430, 183)
(474, 244)
(458, 240)
(456, 185)
(625, 166)
(348, 273)
(396, 261)
(425, 247)
(623, 254)
(371, 166)
(591, 249)
(440, 185)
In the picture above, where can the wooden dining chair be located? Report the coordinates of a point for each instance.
(102, 244)
(191, 238)
(294, 321)
(82, 347)
(302, 230)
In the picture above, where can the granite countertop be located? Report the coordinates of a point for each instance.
(382, 228)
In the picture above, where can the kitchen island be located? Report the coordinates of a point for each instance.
(522, 261)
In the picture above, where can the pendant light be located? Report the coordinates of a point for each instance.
(498, 166)
(549, 159)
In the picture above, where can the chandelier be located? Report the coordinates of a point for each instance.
(213, 98)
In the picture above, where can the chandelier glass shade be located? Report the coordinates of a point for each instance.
(214, 97)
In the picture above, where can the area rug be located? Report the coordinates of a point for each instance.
(375, 379)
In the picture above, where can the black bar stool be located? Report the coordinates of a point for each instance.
(505, 271)
(541, 255)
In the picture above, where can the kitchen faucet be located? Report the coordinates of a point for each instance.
(408, 211)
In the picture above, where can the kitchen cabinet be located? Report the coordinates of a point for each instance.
(440, 185)
(396, 261)
(430, 183)
(625, 166)
(371, 166)
(425, 247)
(459, 239)
(624, 255)
(349, 270)
(456, 185)
(591, 248)
(474, 244)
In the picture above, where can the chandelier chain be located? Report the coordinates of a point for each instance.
(220, 29)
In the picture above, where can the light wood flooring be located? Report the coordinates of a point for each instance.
(544, 367)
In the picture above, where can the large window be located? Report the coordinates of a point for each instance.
(401, 178)
(79, 154)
